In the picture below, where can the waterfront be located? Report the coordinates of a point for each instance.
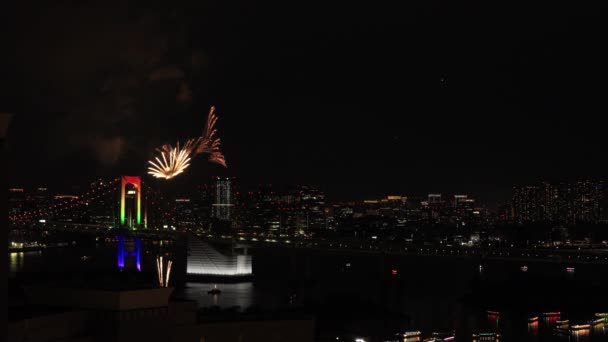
(374, 295)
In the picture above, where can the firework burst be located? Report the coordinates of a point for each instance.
(174, 160)
(209, 143)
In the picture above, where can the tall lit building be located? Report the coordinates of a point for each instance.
(185, 215)
(313, 206)
(587, 200)
(73, 215)
(552, 201)
(223, 201)
(16, 201)
(434, 199)
(103, 210)
(527, 204)
(434, 206)
(459, 199)
(563, 202)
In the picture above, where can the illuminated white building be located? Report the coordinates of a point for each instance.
(205, 260)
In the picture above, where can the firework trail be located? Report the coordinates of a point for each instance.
(209, 143)
(163, 279)
(175, 160)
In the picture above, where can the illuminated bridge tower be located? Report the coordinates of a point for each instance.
(130, 249)
(130, 201)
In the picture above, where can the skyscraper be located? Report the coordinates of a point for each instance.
(313, 207)
(526, 204)
(563, 202)
(223, 202)
(587, 201)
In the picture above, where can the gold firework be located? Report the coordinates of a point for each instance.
(174, 160)
(208, 143)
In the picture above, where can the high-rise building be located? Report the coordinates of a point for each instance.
(185, 215)
(551, 201)
(75, 214)
(563, 202)
(459, 199)
(464, 207)
(587, 201)
(313, 206)
(434, 206)
(103, 210)
(434, 199)
(527, 204)
(16, 201)
(223, 201)
(200, 203)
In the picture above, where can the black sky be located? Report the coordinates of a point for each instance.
(367, 100)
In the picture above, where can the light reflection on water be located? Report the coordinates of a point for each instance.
(17, 260)
(429, 311)
(600, 330)
(533, 328)
(233, 294)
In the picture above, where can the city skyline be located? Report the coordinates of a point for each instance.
(374, 108)
(182, 190)
(210, 171)
(558, 202)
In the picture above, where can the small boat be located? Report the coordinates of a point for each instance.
(524, 268)
(493, 313)
(408, 334)
(443, 336)
(570, 269)
(486, 337)
(533, 319)
(602, 315)
(214, 291)
(564, 322)
(580, 327)
(597, 321)
(84, 258)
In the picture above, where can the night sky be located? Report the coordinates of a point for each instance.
(361, 100)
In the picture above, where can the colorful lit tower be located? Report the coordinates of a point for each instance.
(133, 249)
(134, 181)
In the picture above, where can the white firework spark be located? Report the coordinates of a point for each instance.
(175, 160)
(163, 278)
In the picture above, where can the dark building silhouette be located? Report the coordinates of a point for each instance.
(54, 313)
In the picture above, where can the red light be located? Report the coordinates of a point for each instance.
(394, 271)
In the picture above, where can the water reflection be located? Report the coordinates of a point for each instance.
(580, 335)
(493, 319)
(599, 329)
(233, 295)
(130, 249)
(533, 328)
(15, 261)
